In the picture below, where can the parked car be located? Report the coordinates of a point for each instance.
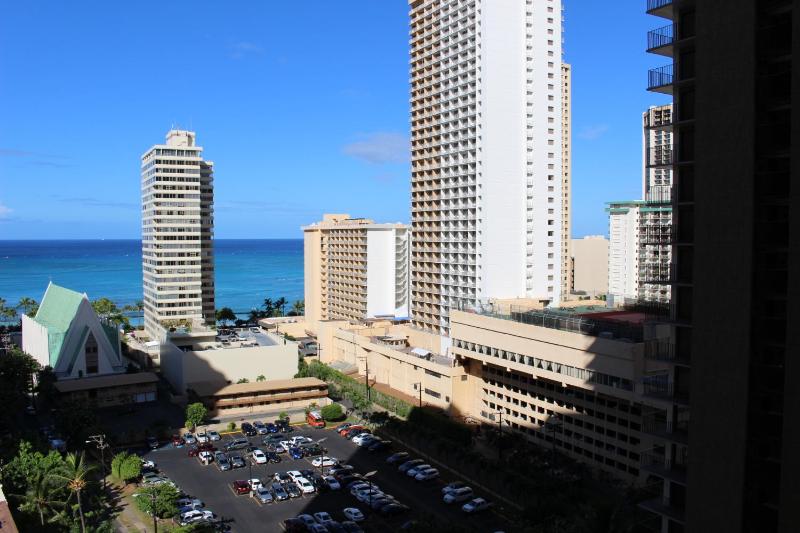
(294, 525)
(335, 469)
(261, 429)
(397, 457)
(276, 448)
(262, 494)
(282, 477)
(307, 519)
(351, 527)
(152, 478)
(354, 514)
(476, 506)
(340, 427)
(148, 464)
(410, 464)
(237, 444)
(205, 457)
(279, 492)
(259, 457)
(237, 461)
(355, 432)
(380, 503)
(368, 494)
(331, 482)
(394, 509)
(349, 428)
(223, 462)
(189, 438)
(196, 515)
(426, 475)
(207, 446)
(202, 437)
(190, 502)
(293, 490)
(254, 483)
(271, 428)
(324, 461)
(213, 436)
(296, 453)
(240, 486)
(322, 517)
(273, 457)
(305, 486)
(177, 441)
(380, 445)
(414, 470)
(294, 474)
(461, 494)
(453, 486)
(192, 451)
(152, 443)
(309, 450)
(344, 478)
(364, 440)
(248, 429)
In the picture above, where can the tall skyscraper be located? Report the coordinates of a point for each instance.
(623, 249)
(736, 251)
(177, 234)
(355, 269)
(486, 153)
(566, 184)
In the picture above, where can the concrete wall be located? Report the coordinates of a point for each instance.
(380, 272)
(34, 340)
(590, 262)
(311, 274)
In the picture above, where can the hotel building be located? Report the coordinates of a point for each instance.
(566, 182)
(730, 67)
(588, 265)
(177, 234)
(487, 179)
(355, 269)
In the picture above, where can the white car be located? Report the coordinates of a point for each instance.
(411, 472)
(475, 506)
(195, 516)
(365, 439)
(259, 457)
(323, 518)
(205, 457)
(324, 461)
(450, 487)
(458, 495)
(300, 439)
(367, 495)
(254, 484)
(425, 475)
(353, 514)
(332, 482)
(305, 486)
(214, 436)
(202, 437)
(358, 487)
(294, 474)
(194, 503)
(146, 463)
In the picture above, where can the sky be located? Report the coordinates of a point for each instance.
(302, 106)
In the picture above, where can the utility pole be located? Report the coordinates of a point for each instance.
(153, 508)
(100, 442)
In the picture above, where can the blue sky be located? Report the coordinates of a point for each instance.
(302, 106)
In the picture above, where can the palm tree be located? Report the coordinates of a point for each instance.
(37, 495)
(29, 306)
(280, 303)
(261, 377)
(299, 307)
(74, 477)
(7, 314)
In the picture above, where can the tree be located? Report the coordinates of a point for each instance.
(283, 415)
(161, 500)
(225, 315)
(302, 368)
(16, 381)
(261, 377)
(298, 307)
(126, 467)
(76, 420)
(243, 380)
(332, 411)
(28, 306)
(108, 310)
(7, 314)
(231, 426)
(280, 304)
(28, 477)
(269, 307)
(195, 415)
(73, 475)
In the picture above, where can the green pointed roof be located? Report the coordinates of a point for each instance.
(56, 312)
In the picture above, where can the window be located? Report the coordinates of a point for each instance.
(90, 351)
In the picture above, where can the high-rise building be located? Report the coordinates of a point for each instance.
(177, 234)
(623, 249)
(566, 183)
(486, 153)
(355, 269)
(588, 265)
(733, 77)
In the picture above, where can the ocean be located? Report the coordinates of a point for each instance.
(247, 271)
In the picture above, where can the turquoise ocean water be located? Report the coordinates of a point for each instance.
(247, 271)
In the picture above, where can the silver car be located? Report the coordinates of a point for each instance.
(262, 494)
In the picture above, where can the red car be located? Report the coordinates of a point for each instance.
(344, 431)
(207, 447)
(193, 451)
(177, 441)
(240, 486)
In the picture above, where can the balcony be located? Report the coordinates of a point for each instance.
(656, 235)
(660, 41)
(676, 432)
(660, 80)
(659, 156)
(660, 8)
(661, 387)
(664, 466)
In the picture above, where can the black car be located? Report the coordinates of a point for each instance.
(248, 429)
(294, 525)
(152, 443)
(273, 457)
(237, 461)
(380, 446)
(275, 437)
(311, 451)
(292, 489)
(393, 509)
(344, 479)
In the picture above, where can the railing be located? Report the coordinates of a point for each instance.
(663, 36)
(662, 427)
(661, 387)
(660, 77)
(657, 4)
(656, 237)
(659, 350)
(659, 156)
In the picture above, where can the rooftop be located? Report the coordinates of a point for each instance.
(207, 388)
(105, 382)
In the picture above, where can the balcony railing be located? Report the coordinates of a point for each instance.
(664, 236)
(659, 156)
(664, 466)
(656, 7)
(661, 37)
(660, 79)
(662, 428)
(661, 387)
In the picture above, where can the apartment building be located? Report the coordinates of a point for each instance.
(566, 182)
(731, 70)
(487, 154)
(355, 269)
(589, 265)
(177, 234)
(574, 379)
(623, 249)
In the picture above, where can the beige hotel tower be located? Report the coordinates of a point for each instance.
(177, 234)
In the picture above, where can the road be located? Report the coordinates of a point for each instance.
(244, 514)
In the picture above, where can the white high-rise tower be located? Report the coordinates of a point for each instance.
(486, 152)
(177, 234)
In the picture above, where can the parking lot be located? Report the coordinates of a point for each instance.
(244, 513)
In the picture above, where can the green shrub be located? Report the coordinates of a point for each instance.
(332, 411)
(231, 426)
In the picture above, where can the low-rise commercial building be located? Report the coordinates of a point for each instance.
(261, 396)
(111, 390)
(576, 379)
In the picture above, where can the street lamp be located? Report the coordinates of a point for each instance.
(367, 476)
(321, 455)
(366, 380)
(418, 385)
(100, 442)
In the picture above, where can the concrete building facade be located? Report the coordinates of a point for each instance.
(486, 153)
(355, 269)
(177, 234)
(623, 249)
(566, 182)
(589, 265)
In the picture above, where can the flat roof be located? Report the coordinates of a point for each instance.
(104, 382)
(207, 388)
